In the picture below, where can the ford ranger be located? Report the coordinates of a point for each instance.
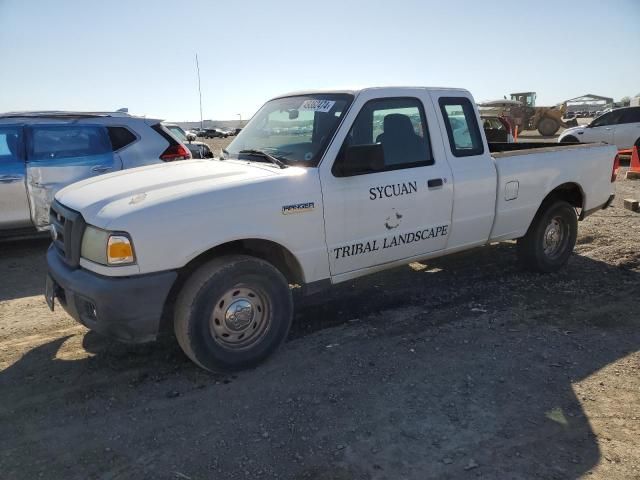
(319, 188)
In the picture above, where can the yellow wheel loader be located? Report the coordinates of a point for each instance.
(522, 111)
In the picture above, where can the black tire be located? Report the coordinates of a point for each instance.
(548, 127)
(536, 250)
(569, 139)
(201, 322)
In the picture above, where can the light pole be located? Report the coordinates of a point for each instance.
(199, 89)
(240, 119)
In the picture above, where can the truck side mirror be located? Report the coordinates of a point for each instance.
(360, 159)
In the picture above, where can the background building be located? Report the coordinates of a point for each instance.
(589, 103)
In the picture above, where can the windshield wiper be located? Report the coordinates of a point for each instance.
(260, 153)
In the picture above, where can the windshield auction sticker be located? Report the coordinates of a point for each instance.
(317, 105)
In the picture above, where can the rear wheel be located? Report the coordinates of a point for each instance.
(551, 237)
(232, 313)
(548, 127)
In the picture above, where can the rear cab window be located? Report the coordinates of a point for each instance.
(51, 143)
(462, 126)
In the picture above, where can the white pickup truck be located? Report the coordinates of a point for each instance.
(319, 188)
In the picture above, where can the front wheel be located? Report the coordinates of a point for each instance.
(547, 245)
(232, 313)
(569, 139)
(548, 127)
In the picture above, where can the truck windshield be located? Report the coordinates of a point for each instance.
(296, 129)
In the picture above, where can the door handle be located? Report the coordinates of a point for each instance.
(100, 169)
(10, 179)
(434, 183)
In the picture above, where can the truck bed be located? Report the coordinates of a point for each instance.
(531, 170)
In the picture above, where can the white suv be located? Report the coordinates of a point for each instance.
(41, 152)
(619, 127)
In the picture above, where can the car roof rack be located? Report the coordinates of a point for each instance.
(123, 112)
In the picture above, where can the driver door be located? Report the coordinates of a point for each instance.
(402, 209)
(602, 129)
(59, 155)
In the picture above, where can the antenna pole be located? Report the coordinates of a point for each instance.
(199, 89)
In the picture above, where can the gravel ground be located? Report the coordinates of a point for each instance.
(464, 367)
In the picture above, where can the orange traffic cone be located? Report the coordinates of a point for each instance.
(634, 167)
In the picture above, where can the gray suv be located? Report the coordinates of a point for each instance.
(42, 152)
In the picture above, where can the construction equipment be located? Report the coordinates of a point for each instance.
(522, 111)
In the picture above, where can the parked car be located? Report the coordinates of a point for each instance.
(214, 133)
(619, 127)
(41, 152)
(570, 115)
(215, 245)
(497, 129)
(191, 135)
(197, 149)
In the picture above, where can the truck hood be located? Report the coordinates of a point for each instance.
(120, 192)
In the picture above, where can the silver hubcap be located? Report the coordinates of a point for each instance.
(554, 236)
(240, 318)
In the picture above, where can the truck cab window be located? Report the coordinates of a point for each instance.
(462, 126)
(399, 125)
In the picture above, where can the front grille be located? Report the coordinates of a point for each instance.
(69, 227)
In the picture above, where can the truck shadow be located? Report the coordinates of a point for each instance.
(460, 367)
(22, 267)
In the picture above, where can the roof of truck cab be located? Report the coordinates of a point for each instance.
(355, 91)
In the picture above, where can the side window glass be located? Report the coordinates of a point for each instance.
(120, 137)
(602, 120)
(462, 126)
(51, 143)
(10, 144)
(399, 126)
(631, 115)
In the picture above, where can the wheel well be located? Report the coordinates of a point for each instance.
(272, 252)
(569, 192)
(569, 139)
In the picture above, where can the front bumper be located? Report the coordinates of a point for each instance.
(126, 308)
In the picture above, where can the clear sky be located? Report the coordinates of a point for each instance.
(102, 55)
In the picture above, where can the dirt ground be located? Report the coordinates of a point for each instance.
(465, 367)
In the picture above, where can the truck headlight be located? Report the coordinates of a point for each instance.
(106, 248)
